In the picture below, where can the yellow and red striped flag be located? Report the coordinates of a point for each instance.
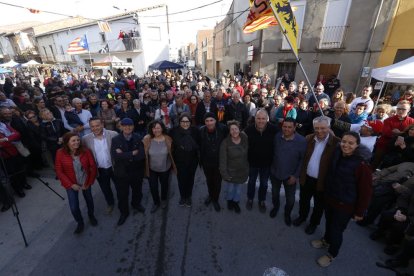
(104, 26)
(260, 16)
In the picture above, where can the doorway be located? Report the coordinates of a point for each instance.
(327, 70)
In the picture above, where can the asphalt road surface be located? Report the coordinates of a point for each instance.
(174, 241)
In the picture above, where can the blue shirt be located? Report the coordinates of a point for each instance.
(288, 156)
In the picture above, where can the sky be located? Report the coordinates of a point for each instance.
(180, 33)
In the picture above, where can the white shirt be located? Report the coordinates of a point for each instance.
(369, 142)
(84, 116)
(103, 157)
(368, 102)
(315, 160)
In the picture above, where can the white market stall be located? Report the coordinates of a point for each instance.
(10, 64)
(401, 72)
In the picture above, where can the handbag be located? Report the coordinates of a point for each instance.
(21, 149)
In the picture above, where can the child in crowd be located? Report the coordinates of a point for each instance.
(72, 118)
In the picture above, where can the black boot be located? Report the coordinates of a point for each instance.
(230, 205)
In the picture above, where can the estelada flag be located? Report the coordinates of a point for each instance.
(78, 46)
(260, 16)
(104, 26)
(287, 21)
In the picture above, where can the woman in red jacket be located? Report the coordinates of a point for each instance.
(76, 170)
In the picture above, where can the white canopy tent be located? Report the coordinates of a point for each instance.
(31, 63)
(11, 63)
(401, 72)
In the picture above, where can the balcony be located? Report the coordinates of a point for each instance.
(133, 44)
(333, 37)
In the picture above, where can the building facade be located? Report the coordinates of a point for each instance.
(399, 43)
(204, 51)
(336, 37)
(146, 42)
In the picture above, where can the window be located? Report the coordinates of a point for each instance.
(227, 37)
(44, 50)
(403, 54)
(61, 50)
(51, 50)
(298, 8)
(334, 26)
(103, 37)
(88, 61)
(129, 60)
(154, 33)
(236, 67)
(286, 67)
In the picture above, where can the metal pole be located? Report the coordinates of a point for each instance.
(371, 37)
(379, 95)
(168, 25)
(298, 60)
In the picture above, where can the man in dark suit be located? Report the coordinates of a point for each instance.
(206, 105)
(138, 114)
(128, 154)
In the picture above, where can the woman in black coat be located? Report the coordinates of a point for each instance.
(186, 155)
(35, 140)
(304, 119)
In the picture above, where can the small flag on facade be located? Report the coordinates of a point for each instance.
(104, 26)
(260, 16)
(287, 21)
(104, 50)
(78, 46)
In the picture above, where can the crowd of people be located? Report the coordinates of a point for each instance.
(355, 159)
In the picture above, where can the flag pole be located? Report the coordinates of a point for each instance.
(283, 29)
(89, 51)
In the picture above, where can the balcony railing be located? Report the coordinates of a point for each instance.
(333, 37)
(117, 45)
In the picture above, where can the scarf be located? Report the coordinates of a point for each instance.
(166, 115)
(286, 110)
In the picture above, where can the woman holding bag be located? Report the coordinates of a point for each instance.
(76, 169)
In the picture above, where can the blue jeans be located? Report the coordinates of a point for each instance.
(263, 174)
(104, 180)
(73, 197)
(233, 191)
(290, 191)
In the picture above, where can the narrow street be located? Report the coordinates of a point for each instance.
(177, 241)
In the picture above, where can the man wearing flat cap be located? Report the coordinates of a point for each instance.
(128, 154)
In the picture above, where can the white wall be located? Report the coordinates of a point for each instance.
(6, 46)
(155, 46)
(153, 49)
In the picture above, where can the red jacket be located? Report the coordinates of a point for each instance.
(7, 148)
(390, 124)
(66, 173)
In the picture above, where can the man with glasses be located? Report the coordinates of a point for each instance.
(393, 127)
(365, 99)
(319, 96)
